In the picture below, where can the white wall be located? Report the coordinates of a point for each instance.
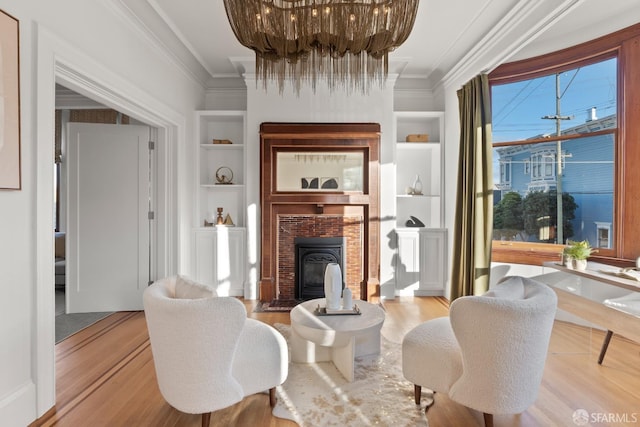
(91, 38)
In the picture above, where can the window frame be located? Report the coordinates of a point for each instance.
(625, 46)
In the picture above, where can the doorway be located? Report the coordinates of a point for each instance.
(87, 192)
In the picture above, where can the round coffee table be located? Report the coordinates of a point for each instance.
(339, 338)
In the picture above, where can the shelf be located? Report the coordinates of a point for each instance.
(419, 159)
(229, 125)
(222, 146)
(223, 186)
(406, 145)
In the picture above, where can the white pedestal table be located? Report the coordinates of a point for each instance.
(338, 338)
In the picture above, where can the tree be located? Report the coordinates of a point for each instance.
(507, 216)
(540, 213)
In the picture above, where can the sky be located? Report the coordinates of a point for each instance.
(518, 108)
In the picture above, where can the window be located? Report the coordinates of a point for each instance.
(568, 134)
(603, 230)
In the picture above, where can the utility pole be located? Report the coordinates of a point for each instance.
(558, 118)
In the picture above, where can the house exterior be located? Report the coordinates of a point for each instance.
(99, 49)
(587, 175)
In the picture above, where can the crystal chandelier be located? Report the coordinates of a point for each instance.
(346, 43)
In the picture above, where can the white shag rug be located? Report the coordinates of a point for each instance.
(316, 394)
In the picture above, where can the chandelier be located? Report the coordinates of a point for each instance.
(345, 43)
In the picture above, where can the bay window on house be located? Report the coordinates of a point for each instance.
(565, 133)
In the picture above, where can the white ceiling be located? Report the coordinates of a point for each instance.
(197, 33)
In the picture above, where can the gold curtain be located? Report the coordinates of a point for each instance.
(474, 203)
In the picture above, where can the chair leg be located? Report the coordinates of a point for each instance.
(605, 345)
(417, 393)
(272, 396)
(488, 420)
(206, 419)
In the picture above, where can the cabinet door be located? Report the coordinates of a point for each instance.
(407, 263)
(205, 257)
(230, 261)
(433, 265)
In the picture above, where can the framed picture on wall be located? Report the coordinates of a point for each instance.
(10, 178)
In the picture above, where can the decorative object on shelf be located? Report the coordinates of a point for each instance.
(347, 299)
(309, 183)
(414, 222)
(578, 252)
(310, 40)
(417, 186)
(332, 285)
(224, 175)
(219, 219)
(228, 220)
(208, 224)
(329, 183)
(221, 141)
(418, 137)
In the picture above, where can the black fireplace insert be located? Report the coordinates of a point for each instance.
(312, 256)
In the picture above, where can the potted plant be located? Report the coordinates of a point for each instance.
(576, 254)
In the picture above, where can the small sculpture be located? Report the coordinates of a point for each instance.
(414, 222)
(219, 219)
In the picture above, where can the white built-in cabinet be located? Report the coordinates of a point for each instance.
(219, 251)
(420, 259)
(220, 259)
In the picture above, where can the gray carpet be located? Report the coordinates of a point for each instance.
(69, 324)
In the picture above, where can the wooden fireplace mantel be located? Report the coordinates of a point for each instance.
(363, 139)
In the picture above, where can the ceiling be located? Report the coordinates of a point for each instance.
(197, 33)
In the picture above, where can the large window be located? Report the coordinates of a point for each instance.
(563, 132)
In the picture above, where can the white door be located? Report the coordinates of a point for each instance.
(108, 217)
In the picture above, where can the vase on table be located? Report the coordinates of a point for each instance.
(580, 264)
(333, 285)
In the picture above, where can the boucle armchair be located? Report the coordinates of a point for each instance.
(489, 354)
(207, 354)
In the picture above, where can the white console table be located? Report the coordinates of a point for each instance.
(581, 305)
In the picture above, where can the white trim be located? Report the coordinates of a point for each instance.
(58, 61)
(189, 68)
(510, 25)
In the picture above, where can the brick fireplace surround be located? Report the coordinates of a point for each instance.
(292, 226)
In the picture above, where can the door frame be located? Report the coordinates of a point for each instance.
(58, 62)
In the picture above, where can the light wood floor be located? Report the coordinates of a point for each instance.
(105, 377)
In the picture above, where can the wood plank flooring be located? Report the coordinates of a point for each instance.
(105, 377)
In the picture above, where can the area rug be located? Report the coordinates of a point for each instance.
(276, 305)
(316, 394)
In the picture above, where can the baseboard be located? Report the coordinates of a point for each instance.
(19, 407)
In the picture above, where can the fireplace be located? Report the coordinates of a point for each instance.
(291, 156)
(312, 254)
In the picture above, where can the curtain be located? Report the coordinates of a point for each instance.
(473, 225)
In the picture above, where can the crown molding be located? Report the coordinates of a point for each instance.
(507, 37)
(168, 44)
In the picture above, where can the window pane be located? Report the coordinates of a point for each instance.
(525, 206)
(527, 109)
(578, 101)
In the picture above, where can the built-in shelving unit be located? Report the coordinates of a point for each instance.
(221, 125)
(219, 251)
(421, 251)
(419, 159)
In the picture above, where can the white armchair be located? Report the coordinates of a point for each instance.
(207, 354)
(489, 354)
